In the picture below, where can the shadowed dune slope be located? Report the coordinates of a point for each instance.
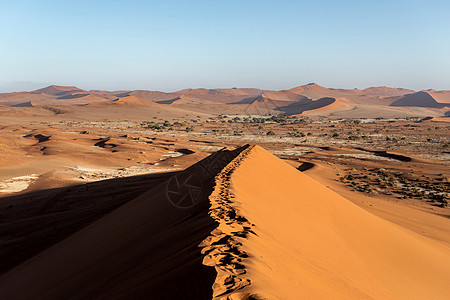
(32, 222)
(420, 99)
(304, 241)
(145, 249)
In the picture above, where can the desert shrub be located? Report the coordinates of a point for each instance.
(154, 126)
(270, 132)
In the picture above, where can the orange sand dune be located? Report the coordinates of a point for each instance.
(269, 231)
(369, 102)
(150, 95)
(58, 90)
(305, 241)
(220, 95)
(284, 96)
(386, 91)
(440, 96)
(132, 101)
(312, 90)
(187, 100)
(337, 105)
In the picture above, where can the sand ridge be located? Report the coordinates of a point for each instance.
(310, 242)
(222, 248)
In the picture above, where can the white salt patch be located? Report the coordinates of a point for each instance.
(16, 184)
(83, 169)
(171, 154)
(215, 148)
(89, 174)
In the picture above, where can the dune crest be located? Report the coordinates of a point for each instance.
(222, 249)
(291, 237)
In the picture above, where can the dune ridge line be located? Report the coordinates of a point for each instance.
(222, 248)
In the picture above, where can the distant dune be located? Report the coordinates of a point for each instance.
(186, 100)
(386, 91)
(312, 90)
(306, 99)
(440, 96)
(132, 101)
(56, 90)
(420, 99)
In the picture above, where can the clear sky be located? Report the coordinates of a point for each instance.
(171, 45)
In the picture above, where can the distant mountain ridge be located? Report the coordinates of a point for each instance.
(309, 97)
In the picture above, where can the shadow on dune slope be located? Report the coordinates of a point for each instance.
(134, 237)
(30, 223)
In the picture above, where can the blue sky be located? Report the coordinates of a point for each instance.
(171, 45)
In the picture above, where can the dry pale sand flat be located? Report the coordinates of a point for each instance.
(297, 239)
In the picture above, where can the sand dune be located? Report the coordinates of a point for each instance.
(284, 96)
(220, 95)
(132, 101)
(285, 102)
(149, 95)
(420, 99)
(57, 90)
(364, 103)
(187, 100)
(214, 95)
(319, 104)
(269, 231)
(386, 91)
(305, 241)
(312, 90)
(440, 96)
